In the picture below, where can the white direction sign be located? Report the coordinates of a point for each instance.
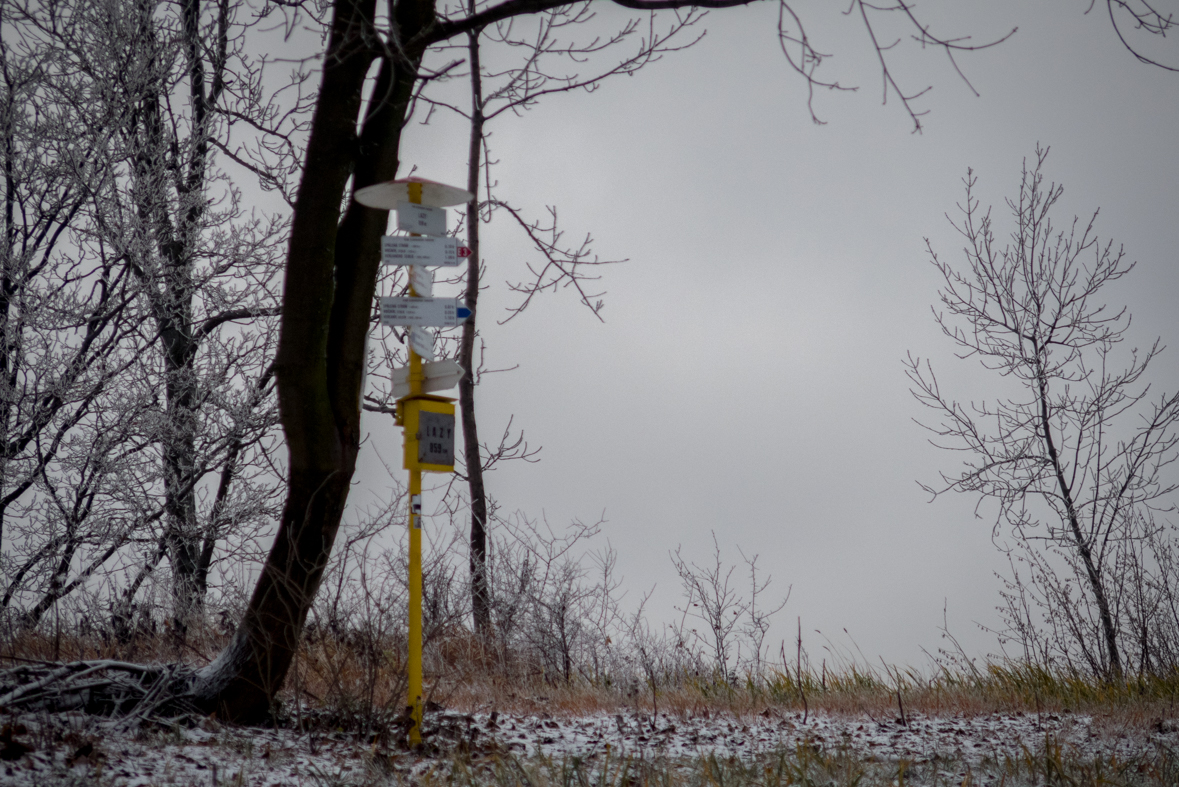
(421, 218)
(440, 375)
(433, 312)
(422, 280)
(421, 341)
(445, 252)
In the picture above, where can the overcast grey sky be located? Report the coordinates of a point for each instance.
(748, 378)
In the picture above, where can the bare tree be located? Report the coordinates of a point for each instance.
(130, 98)
(554, 605)
(1075, 452)
(69, 329)
(513, 89)
(202, 267)
(713, 597)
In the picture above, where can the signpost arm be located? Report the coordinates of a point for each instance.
(416, 378)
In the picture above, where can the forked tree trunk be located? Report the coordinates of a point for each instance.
(327, 302)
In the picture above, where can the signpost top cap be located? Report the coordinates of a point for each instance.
(389, 194)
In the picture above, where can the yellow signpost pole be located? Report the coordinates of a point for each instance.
(415, 545)
(428, 420)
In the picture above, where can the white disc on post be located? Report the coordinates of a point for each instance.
(389, 194)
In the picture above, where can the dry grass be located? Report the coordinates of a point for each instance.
(461, 675)
(200, 645)
(359, 679)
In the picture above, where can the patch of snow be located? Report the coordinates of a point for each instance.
(921, 738)
(76, 749)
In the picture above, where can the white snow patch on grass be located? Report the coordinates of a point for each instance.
(75, 749)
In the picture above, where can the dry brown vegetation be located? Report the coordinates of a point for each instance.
(358, 680)
(463, 676)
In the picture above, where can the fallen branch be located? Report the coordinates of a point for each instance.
(135, 692)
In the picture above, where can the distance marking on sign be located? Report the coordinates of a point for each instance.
(435, 438)
(442, 252)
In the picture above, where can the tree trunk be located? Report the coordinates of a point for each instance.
(1108, 630)
(170, 289)
(327, 305)
(480, 592)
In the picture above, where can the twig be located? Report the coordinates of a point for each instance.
(900, 703)
(805, 708)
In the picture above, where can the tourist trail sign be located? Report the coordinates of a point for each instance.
(434, 312)
(441, 252)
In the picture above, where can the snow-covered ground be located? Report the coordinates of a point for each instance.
(75, 749)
